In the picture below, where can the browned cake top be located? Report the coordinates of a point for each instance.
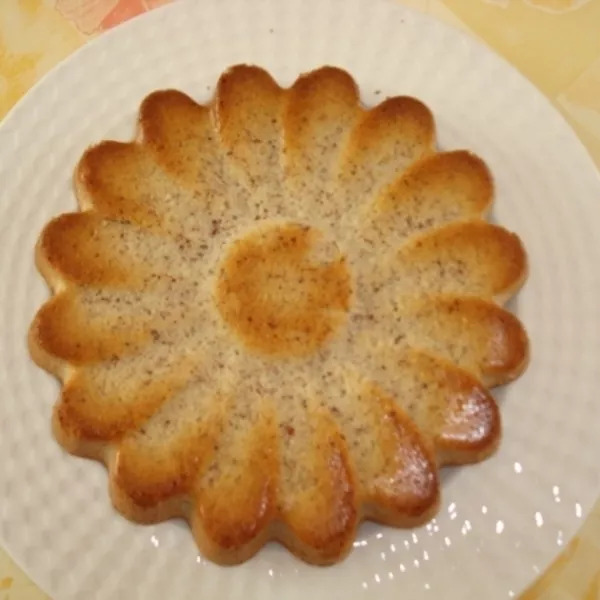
(279, 314)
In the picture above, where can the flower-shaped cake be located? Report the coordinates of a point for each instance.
(279, 314)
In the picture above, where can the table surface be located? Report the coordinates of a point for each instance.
(555, 43)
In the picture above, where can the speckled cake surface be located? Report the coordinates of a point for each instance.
(279, 314)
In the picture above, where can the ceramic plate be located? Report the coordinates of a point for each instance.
(501, 521)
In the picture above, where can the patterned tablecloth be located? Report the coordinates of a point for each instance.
(556, 43)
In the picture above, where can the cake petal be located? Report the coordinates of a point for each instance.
(248, 107)
(474, 334)
(236, 495)
(385, 141)
(450, 408)
(155, 467)
(317, 494)
(101, 402)
(396, 469)
(82, 326)
(123, 181)
(320, 109)
(181, 136)
(400, 483)
(87, 249)
(471, 258)
(67, 328)
(439, 189)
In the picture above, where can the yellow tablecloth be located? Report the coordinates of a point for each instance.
(556, 43)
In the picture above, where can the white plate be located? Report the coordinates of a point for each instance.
(501, 522)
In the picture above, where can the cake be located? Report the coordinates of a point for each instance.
(279, 314)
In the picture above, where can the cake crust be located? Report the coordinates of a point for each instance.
(279, 314)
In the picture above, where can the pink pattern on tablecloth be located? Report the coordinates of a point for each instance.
(93, 16)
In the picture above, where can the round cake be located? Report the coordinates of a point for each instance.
(279, 314)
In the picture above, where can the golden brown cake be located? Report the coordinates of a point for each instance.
(279, 314)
